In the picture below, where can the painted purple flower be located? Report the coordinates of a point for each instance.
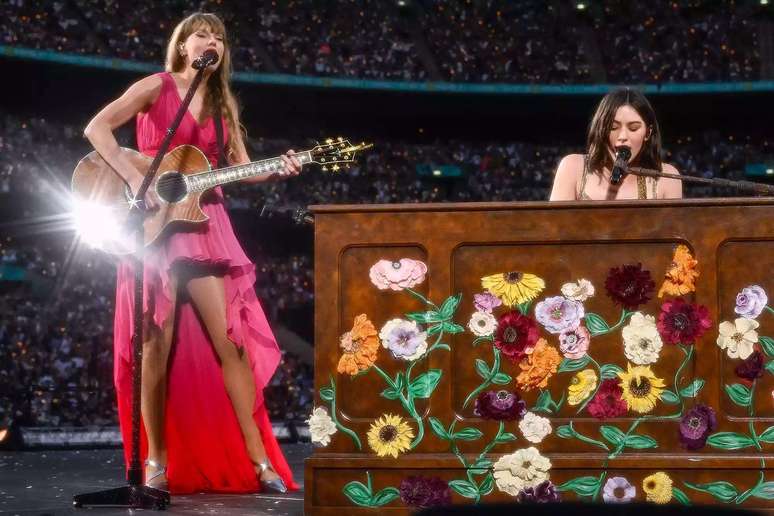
(486, 302)
(752, 367)
(751, 301)
(404, 339)
(618, 490)
(575, 343)
(696, 426)
(559, 314)
(545, 492)
(500, 405)
(424, 492)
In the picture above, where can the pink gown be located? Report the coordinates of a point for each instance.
(206, 450)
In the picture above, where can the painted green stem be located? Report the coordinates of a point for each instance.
(422, 298)
(488, 381)
(335, 419)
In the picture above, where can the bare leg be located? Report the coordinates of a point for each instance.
(155, 354)
(208, 296)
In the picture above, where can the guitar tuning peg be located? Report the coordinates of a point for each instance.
(325, 169)
(341, 139)
(329, 140)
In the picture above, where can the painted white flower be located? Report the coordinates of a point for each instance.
(642, 342)
(534, 428)
(738, 338)
(321, 426)
(482, 324)
(581, 290)
(522, 469)
(404, 339)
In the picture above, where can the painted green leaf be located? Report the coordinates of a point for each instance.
(767, 436)
(452, 328)
(482, 463)
(477, 340)
(609, 371)
(450, 306)
(739, 394)
(764, 491)
(464, 488)
(487, 485)
(482, 368)
(730, 441)
(358, 493)
(505, 437)
(431, 316)
(721, 490)
(384, 496)
(692, 390)
(641, 442)
(438, 429)
(326, 394)
(501, 379)
(423, 385)
(582, 486)
(669, 397)
(565, 432)
(770, 366)
(468, 434)
(543, 403)
(612, 434)
(524, 307)
(767, 343)
(680, 496)
(595, 324)
(390, 393)
(400, 381)
(568, 365)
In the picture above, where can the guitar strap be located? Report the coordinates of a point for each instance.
(219, 139)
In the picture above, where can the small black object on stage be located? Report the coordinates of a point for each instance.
(136, 495)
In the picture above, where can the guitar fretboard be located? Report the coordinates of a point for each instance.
(266, 167)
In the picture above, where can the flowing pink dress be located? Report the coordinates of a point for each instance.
(206, 450)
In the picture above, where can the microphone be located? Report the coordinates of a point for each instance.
(209, 57)
(622, 156)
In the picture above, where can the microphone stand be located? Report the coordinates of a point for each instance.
(136, 495)
(750, 186)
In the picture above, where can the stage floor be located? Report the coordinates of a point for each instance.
(44, 482)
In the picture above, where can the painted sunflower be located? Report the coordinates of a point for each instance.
(513, 288)
(641, 388)
(359, 346)
(390, 435)
(658, 488)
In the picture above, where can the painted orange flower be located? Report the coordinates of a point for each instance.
(680, 278)
(360, 346)
(539, 366)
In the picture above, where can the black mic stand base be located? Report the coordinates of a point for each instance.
(132, 497)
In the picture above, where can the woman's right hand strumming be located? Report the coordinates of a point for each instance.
(151, 199)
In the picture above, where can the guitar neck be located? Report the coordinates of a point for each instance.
(265, 167)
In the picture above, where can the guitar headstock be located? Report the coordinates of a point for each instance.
(337, 154)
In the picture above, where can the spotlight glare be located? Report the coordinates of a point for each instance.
(98, 227)
(580, 6)
(3, 434)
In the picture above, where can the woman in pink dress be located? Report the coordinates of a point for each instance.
(208, 351)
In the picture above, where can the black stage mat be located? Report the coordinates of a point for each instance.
(44, 482)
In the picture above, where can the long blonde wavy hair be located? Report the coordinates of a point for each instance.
(218, 93)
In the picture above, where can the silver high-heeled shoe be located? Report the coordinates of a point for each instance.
(277, 485)
(161, 485)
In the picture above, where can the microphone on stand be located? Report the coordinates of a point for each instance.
(623, 153)
(209, 57)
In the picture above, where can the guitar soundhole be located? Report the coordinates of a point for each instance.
(171, 187)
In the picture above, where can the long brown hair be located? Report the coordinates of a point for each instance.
(218, 93)
(597, 142)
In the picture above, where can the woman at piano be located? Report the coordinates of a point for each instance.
(624, 118)
(208, 350)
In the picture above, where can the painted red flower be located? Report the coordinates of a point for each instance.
(682, 323)
(516, 335)
(608, 401)
(629, 286)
